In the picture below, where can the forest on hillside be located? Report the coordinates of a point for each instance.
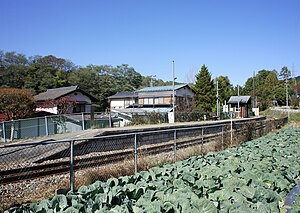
(39, 73)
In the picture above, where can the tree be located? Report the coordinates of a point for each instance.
(63, 104)
(99, 84)
(156, 82)
(294, 101)
(128, 77)
(12, 69)
(39, 78)
(297, 89)
(103, 81)
(280, 95)
(285, 74)
(225, 88)
(16, 103)
(205, 90)
(266, 83)
(57, 63)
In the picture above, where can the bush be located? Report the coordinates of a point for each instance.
(16, 103)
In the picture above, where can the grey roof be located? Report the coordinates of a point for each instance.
(239, 99)
(56, 93)
(162, 88)
(123, 95)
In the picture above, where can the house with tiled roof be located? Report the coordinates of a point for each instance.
(82, 100)
(159, 98)
(122, 100)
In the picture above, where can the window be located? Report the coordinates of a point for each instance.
(150, 100)
(161, 100)
(146, 101)
(79, 108)
(127, 102)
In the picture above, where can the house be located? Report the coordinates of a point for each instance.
(240, 105)
(76, 100)
(152, 97)
(157, 99)
(122, 100)
(163, 95)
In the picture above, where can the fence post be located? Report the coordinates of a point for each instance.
(175, 145)
(82, 118)
(109, 120)
(4, 132)
(46, 125)
(135, 154)
(72, 175)
(231, 130)
(202, 140)
(222, 137)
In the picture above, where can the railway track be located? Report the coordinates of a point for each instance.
(104, 158)
(63, 166)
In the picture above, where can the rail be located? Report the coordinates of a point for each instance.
(26, 161)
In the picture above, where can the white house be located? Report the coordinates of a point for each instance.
(152, 97)
(122, 100)
(162, 96)
(47, 101)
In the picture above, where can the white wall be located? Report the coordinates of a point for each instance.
(76, 96)
(52, 110)
(121, 103)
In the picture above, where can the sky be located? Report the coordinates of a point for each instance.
(232, 38)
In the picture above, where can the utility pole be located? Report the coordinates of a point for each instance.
(238, 87)
(254, 95)
(217, 96)
(286, 90)
(173, 99)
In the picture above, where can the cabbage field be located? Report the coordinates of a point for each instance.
(254, 177)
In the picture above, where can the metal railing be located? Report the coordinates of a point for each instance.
(113, 155)
(55, 124)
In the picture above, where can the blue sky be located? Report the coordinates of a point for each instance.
(232, 37)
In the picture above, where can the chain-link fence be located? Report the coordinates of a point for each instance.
(65, 123)
(32, 171)
(56, 124)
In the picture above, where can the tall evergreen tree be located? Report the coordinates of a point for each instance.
(205, 90)
(225, 89)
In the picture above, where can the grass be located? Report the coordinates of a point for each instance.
(293, 117)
